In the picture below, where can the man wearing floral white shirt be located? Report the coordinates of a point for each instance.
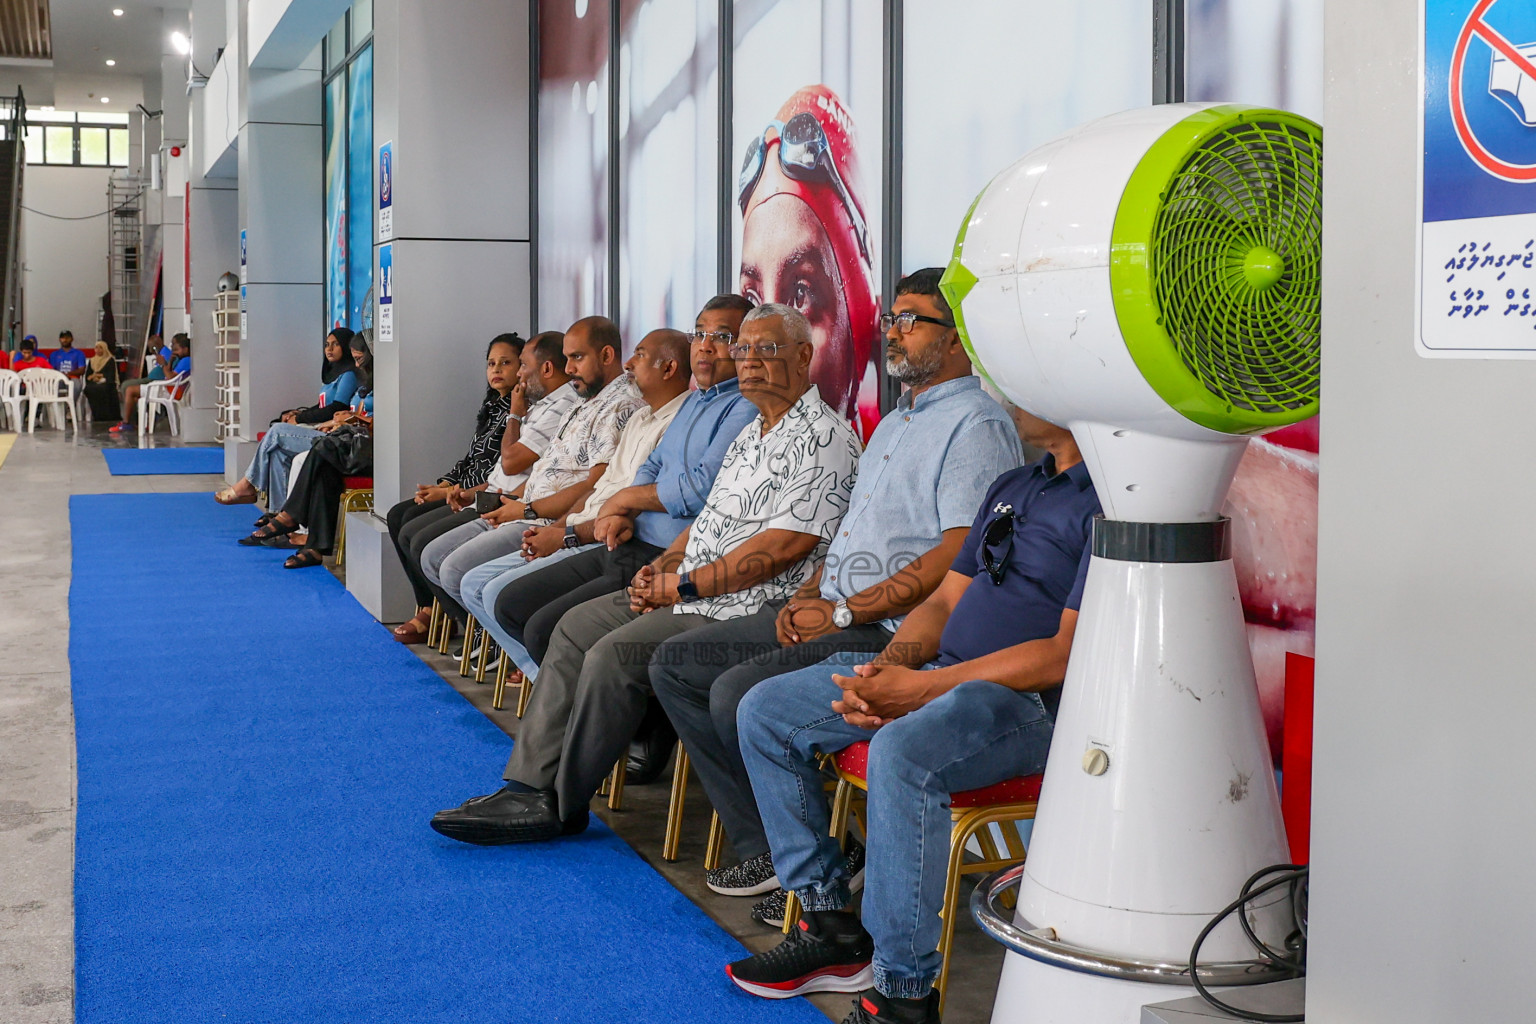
(775, 504)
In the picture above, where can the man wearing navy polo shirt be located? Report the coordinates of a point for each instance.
(962, 697)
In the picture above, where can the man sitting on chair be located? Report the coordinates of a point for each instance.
(963, 697)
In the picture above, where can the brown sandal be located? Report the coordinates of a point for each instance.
(410, 632)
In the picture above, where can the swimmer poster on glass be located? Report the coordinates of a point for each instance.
(1477, 237)
(807, 134)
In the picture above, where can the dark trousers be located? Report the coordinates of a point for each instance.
(531, 607)
(412, 527)
(314, 499)
(700, 677)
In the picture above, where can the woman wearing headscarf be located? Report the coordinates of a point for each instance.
(806, 242)
(101, 385)
(298, 429)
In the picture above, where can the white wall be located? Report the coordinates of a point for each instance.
(1422, 786)
(65, 260)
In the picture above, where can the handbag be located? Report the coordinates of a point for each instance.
(349, 448)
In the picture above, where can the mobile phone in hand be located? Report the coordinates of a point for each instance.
(487, 501)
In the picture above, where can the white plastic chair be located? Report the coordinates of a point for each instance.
(172, 395)
(48, 387)
(11, 400)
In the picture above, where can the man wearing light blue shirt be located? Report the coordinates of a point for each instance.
(927, 467)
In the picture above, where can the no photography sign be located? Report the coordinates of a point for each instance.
(1477, 238)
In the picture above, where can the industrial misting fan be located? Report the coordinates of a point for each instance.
(1150, 281)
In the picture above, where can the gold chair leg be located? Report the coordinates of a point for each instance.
(471, 627)
(616, 784)
(503, 666)
(791, 913)
(842, 799)
(674, 832)
(524, 692)
(713, 848)
(481, 663)
(339, 551)
(434, 623)
(445, 637)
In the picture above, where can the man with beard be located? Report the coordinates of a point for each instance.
(926, 469)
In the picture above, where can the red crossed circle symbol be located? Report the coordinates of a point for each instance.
(1476, 26)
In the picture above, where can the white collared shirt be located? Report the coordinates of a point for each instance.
(538, 430)
(636, 443)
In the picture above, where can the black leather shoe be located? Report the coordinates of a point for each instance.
(506, 816)
(651, 748)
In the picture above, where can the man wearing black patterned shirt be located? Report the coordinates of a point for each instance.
(778, 498)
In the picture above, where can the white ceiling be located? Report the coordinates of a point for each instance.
(85, 36)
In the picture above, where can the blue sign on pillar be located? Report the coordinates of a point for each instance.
(386, 331)
(1477, 224)
(242, 255)
(386, 192)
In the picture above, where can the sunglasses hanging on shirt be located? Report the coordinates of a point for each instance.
(997, 541)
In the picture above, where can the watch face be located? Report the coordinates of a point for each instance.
(842, 618)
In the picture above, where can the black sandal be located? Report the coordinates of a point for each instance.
(264, 520)
(267, 532)
(304, 559)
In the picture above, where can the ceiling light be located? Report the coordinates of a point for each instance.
(111, 63)
(181, 43)
(106, 99)
(117, 12)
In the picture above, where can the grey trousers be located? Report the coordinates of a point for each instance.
(590, 697)
(700, 677)
(447, 558)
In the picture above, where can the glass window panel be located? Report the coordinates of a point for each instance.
(573, 161)
(59, 144)
(93, 146)
(55, 116)
(33, 141)
(360, 216)
(118, 147)
(335, 202)
(1041, 68)
(822, 58)
(1268, 52)
(336, 43)
(362, 20)
(669, 139)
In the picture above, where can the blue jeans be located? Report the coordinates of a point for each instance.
(481, 586)
(977, 734)
(268, 470)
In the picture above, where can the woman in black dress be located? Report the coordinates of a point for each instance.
(101, 385)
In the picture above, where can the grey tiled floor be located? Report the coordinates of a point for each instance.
(37, 756)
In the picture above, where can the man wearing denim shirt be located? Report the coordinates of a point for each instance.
(963, 697)
(640, 521)
(928, 464)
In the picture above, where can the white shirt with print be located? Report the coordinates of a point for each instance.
(539, 428)
(798, 477)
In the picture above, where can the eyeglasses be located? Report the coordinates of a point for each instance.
(909, 320)
(805, 154)
(763, 350)
(997, 542)
(713, 337)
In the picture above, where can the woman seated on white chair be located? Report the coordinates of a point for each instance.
(181, 362)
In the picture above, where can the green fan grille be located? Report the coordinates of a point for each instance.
(1215, 267)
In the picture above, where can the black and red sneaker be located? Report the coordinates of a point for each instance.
(828, 952)
(874, 1008)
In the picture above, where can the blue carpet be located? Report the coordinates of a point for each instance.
(257, 763)
(163, 461)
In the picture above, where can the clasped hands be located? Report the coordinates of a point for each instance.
(650, 590)
(876, 694)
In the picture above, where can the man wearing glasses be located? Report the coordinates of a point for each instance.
(774, 506)
(962, 697)
(928, 464)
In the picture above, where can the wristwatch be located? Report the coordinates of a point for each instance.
(842, 618)
(570, 540)
(686, 589)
